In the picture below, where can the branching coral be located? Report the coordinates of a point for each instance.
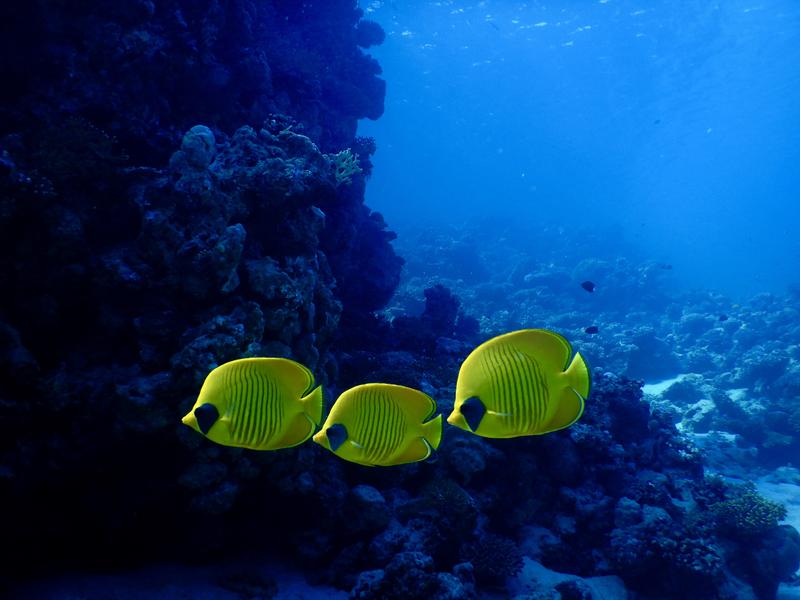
(452, 502)
(493, 558)
(345, 165)
(747, 513)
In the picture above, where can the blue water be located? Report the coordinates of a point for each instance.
(671, 125)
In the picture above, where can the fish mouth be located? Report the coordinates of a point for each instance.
(189, 420)
(457, 419)
(319, 438)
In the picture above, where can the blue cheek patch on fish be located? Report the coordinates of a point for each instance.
(336, 434)
(473, 411)
(206, 416)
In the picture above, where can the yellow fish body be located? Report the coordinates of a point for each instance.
(257, 403)
(520, 384)
(380, 424)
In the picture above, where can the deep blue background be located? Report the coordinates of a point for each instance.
(671, 124)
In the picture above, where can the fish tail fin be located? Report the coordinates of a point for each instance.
(432, 431)
(312, 403)
(578, 377)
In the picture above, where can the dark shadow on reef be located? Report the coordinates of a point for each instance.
(139, 248)
(181, 185)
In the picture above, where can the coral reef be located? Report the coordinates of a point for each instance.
(493, 558)
(181, 185)
(146, 73)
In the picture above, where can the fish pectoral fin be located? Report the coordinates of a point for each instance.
(417, 450)
(499, 414)
(498, 425)
(299, 430)
(569, 410)
(355, 444)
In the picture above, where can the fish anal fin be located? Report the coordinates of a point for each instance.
(569, 409)
(417, 450)
(497, 425)
(299, 430)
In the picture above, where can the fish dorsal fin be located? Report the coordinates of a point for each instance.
(416, 405)
(551, 350)
(295, 377)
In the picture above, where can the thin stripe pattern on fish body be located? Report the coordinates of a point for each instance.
(518, 387)
(380, 425)
(255, 408)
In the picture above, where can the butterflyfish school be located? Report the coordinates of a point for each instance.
(258, 403)
(520, 383)
(381, 424)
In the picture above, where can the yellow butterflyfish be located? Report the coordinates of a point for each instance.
(258, 403)
(520, 383)
(381, 424)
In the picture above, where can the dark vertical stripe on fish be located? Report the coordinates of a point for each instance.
(233, 403)
(251, 400)
(360, 417)
(519, 390)
(240, 387)
(268, 416)
(390, 427)
(380, 441)
(369, 409)
(487, 375)
(277, 400)
(536, 400)
(247, 404)
(398, 433)
(280, 418)
(492, 403)
(257, 406)
(544, 396)
(502, 383)
(526, 398)
(530, 396)
(267, 409)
